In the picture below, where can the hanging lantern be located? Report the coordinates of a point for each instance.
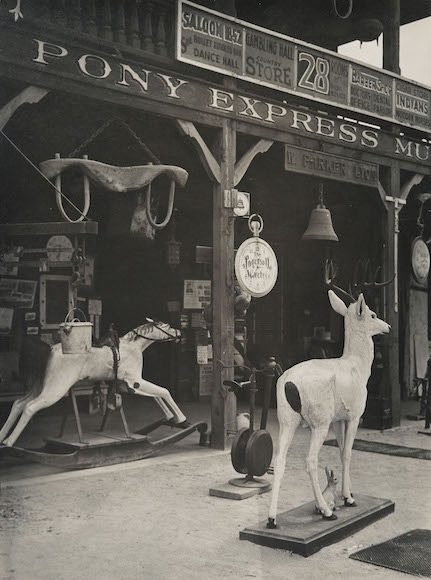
(320, 224)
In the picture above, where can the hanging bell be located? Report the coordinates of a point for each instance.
(320, 224)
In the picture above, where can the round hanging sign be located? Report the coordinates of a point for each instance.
(59, 249)
(256, 267)
(420, 260)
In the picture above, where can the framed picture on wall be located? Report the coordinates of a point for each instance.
(55, 299)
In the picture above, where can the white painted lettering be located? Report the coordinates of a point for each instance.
(102, 64)
(173, 84)
(221, 100)
(47, 49)
(250, 110)
(370, 138)
(275, 111)
(401, 149)
(127, 70)
(325, 127)
(302, 118)
(422, 151)
(347, 133)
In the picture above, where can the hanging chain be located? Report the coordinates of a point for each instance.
(82, 146)
(93, 136)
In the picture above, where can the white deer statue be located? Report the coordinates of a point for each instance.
(328, 392)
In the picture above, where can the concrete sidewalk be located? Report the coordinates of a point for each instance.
(155, 519)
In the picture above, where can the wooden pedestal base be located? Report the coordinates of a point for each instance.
(304, 532)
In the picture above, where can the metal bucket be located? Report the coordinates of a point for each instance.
(75, 335)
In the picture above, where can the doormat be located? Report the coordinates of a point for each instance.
(409, 553)
(386, 449)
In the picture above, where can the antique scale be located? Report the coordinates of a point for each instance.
(256, 270)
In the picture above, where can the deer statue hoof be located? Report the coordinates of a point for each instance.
(332, 517)
(271, 525)
(349, 504)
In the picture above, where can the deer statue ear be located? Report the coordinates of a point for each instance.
(360, 306)
(336, 303)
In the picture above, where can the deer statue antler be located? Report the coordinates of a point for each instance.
(330, 276)
(365, 278)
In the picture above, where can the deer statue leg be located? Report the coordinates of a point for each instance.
(318, 436)
(339, 428)
(351, 429)
(287, 431)
(15, 412)
(147, 389)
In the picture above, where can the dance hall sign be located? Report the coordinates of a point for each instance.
(217, 42)
(320, 164)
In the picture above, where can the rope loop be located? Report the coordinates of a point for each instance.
(348, 11)
(164, 223)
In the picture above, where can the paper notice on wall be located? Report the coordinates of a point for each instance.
(6, 318)
(205, 379)
(202, 354)
(197, 294)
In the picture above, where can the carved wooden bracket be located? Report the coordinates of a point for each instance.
(243, 164)
(406, 188)
(211, 165)
(208, 160)
(29, 95)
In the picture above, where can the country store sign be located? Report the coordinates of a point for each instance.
(60, 65)
(233, 47)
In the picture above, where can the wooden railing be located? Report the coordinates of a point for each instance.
(142, 24)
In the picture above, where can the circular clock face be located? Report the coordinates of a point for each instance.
(256, 267)
(420, 260)
(59, 249)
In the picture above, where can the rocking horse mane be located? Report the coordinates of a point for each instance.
(143, 329)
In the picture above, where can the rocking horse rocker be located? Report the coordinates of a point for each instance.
(122, 365)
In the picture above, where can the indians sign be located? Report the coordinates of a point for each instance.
(217, 42)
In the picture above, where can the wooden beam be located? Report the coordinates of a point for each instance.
(244, 163)
(208, 160)
(49, 228)
(29, 95)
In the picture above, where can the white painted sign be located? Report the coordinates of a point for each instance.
(256, 267)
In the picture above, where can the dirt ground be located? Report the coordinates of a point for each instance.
(154, 519)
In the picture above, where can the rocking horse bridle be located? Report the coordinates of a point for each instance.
(171, 337)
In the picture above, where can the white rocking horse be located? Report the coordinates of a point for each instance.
(64, 370)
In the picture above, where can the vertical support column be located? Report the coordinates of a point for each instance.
(391, 379)
(391, 36)
(223, 403)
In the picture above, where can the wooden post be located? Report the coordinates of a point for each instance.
(391, 36)
(391, 378)
(223, 403)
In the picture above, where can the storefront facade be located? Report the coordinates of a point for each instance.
(117, 88)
